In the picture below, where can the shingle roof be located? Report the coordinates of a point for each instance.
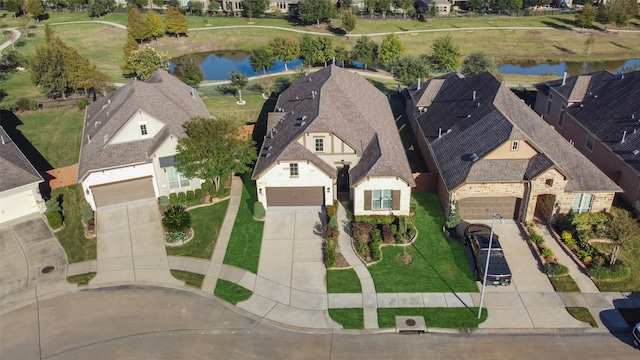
(609, 106)
(343, 103)
(16, 169)
(163, 96)
(479, 125)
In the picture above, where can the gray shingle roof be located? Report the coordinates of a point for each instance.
(343, 103)
(609, 106)
(480, 125)
(16, 169)
(163, 96)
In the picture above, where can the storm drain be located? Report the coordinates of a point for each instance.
(48, 269)
(410, 325)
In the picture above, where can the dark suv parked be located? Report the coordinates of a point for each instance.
(476, 237)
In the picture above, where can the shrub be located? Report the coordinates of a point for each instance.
(386, 234)
(329, 254)
(176, 219)
(173, 198)
(182, 197)
(199, 193)
(618, 272)
(173, 237)
(207, 186)
(546, 253)
(22, 104)
(564, 221)
(333, 222)
(376, 253)
(394, 229)
(33, 105)
(329, 232)
(568, 239)
(376, 219)
(86, 214)
(402, 225)
(454, 216)
(363, 249)
(360, 231)
(411, 231)
(191, 195)
(82, 104)
(413, 205)
(164, 201)
(331, 211)
(54, 219)
(258, 210)
(536, 239)
(582, 254)
(598, 261)
(52, 205)
(376, 235)
(8, 107)
(552, 269)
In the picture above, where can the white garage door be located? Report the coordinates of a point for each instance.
(17, 205)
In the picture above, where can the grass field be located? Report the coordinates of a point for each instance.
(77, 247)
(455, 318)
(348, 318)
(189, 278)
(230, 292)
(343, 281)
(630, 254)
(206, 222)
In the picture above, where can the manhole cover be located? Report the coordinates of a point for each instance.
(410, 322)
(48, 269)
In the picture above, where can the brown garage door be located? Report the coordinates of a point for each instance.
(123, 191)
(295, 196)
(479, 208)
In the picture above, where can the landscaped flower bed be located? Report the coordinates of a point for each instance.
(370, 233)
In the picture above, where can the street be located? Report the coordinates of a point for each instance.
(134, 322)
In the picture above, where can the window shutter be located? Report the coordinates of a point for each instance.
(395, 200)
(367, 199)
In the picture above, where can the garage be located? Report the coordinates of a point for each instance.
(295, 196)
(479, 208)
(123, 191)
(17, 205)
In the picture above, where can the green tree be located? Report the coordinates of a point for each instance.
(348, 21)
(189, 73)
(34, 8)
(137, 3)
(383, 6)
(445, 54)
(98, 8)
(176, 218)
(128, 49)
(475, 5)
(47, 67)
(262, 59)
(622, 228)
(13, 6)
(326, 48)
(214, 148)
(316, 11)
(391, 49)
(606, 14)
(285, 49)
(623, 11)
(407, 6)
(156, 26)
(176, 23)
(238, 82)
(586, 16)
(365, 51)
(310, 50)
(342, 55)
(370, 5)
(255, 7)
(536, 3)
(588, 44)
(408, 69)
(137, 25)
(476, 63)
(146, 60)
(196, 6)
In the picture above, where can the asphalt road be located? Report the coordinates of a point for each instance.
(157, 323)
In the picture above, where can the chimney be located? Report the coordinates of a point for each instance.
(439, 132)
(418, 83)
(564, 78)
(624, 135)
(474, 94)
(2, 137)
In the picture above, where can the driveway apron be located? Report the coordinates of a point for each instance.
(131, 245)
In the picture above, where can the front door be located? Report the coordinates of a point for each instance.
(343, 179)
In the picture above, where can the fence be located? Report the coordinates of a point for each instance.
(425, 182)
(62, 177)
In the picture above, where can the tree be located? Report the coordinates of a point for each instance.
(621, 229)
(156, 26)
(146, 60)
(405, 5)
(285, 49)
(476, 63)
(137, 25)
(383, 6)
(370, 5)
(137, 3)
(341, 54)
(475, 5)
(588, 44)
(176, 23)
(317, 11)
(13, 6)
(262, 59)
(238, 82)
(586, 17)
(189, 73)
(446, 55)
(348, 21)
(34, 7)
(605, 15)
(255, 7)
(391, 49)
(623, 11)
(536, 3)
(326, 48)
(176, 218)
(97, 8)
(47, 66)
(196, 6)
(310, 50)
(214, 148)
(365, 51)
(128, 49)
(408, 69)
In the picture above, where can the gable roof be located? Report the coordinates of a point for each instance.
(472, 116)
(16, 169)
(163, 97)
(336, 101)
(609, 106)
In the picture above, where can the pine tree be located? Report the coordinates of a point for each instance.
(137, 26)
(156, 26)
(176, 22)
(128, 49)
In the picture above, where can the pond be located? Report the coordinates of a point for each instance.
(572, 68)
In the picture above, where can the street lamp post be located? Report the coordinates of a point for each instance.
(486, 266)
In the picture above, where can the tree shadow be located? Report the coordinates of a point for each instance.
(260, 128)
(620, 45)
(570, 23)
(557, 26)
(336, 30)
(564, 49)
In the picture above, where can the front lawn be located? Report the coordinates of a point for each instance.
(564, 283)
(343, 281)
(77, 247)
(243, 250)
(230, 292)
(630, 254)
(348, 318)
(206, 222)
(81, 279)
(439, 264)
(189, 278)
(582, 314)
(453, 318)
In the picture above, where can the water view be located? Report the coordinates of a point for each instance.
(572, 68)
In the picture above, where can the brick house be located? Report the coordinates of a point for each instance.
(495, 155)
(333, 134)
(599, 114)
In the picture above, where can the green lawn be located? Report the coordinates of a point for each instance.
(230, 292)
(343, 281)
(564, 283)
(77, 247)
(189, 278)
(630, 254)
(439, 264)
(81, 279)
(348, 318)
(454, 318)
(223, 106)
(206, 222)
(582, 314)
(246, 237)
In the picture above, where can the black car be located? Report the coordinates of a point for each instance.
(476, 237)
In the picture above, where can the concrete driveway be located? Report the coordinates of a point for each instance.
(27, 246)
(131, 244)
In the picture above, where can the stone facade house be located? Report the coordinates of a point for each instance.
(130, 137)
(332, 135)
(599, 114)
(495, 155)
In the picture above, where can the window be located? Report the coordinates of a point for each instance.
(590, 141)
(549, 182)
(382, 199)
(143, 130)
(293, 169)
(514, 145)
(581, 203)
(549, 104)
(320, 145)
(563, 110)
(176, 179)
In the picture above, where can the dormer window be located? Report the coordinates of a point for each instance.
(515, 145)
(319, 145)
(143, 130)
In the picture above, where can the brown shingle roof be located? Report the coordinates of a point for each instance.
(16, 169)
(163, 96)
